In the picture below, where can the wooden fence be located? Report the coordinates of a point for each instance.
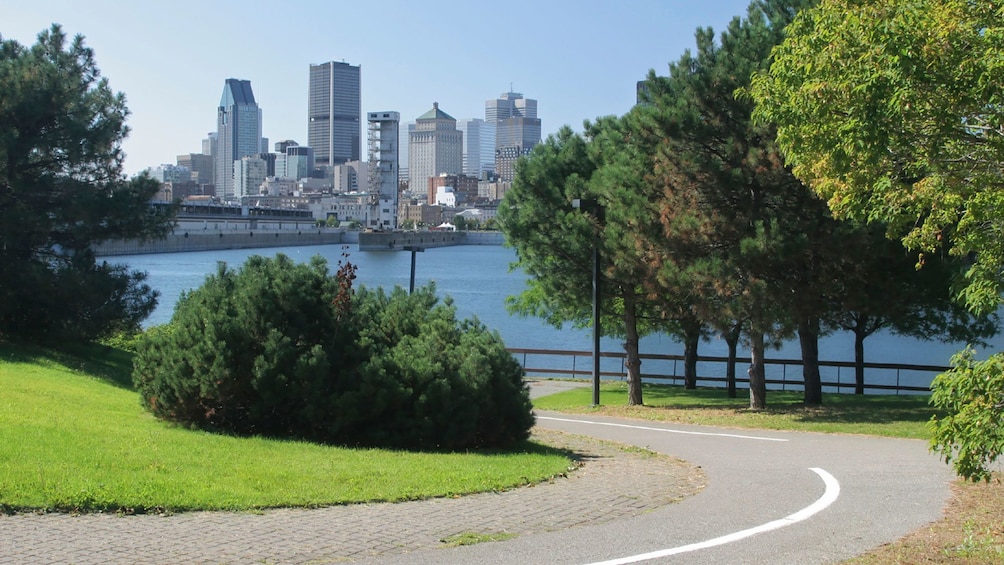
(782, 374)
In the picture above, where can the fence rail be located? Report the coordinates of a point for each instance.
(836, 376)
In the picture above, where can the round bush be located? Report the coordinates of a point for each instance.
(284, 349)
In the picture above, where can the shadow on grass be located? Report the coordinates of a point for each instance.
(111, 365)
(836, 408)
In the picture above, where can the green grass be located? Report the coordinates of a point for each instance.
(73, 437)
(890, 416)
(472, 538)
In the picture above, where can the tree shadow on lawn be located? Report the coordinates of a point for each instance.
(836, 408)
(108, 364)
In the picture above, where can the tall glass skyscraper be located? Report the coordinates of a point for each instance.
(334, 113)
(238, 124)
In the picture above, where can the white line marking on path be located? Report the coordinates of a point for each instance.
(667, 430)
(828, 498)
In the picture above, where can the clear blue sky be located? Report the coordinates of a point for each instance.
(579, 58)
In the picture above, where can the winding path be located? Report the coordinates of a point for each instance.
(770, 497)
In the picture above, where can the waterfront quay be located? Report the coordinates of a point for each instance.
(264, 236)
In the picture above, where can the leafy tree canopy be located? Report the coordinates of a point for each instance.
(893, 110)
(62, 190)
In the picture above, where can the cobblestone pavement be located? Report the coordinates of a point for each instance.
(611, 483)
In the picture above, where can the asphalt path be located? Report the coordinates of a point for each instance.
(757, 480)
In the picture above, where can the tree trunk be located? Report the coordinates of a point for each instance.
(758, 382)
(859, 360)
(632, 361)
(691, 339)
(732, 340)
(808, 338)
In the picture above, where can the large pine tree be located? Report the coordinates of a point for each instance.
(62, 190)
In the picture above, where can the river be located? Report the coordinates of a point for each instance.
(479, 279)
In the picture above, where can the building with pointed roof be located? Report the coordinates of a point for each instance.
(238, 124)
(435, 146)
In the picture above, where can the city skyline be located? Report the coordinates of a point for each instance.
(581, 60)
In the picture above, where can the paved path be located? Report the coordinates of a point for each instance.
(619, 504)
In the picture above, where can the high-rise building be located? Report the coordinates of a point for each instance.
(170, 173)
(293, 161)
(238, 124)
(435, 146)
(384, 142)
(517, 129)
(479, 146)
(201, 166)
(334, 113)
(249, 173)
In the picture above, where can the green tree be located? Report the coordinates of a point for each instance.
(61, 191)
(971, 433)
(894, 112)
(554, 241)
(747, 235)
(880, 287)
(280, 348)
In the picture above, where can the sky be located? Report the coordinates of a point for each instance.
(579, 59)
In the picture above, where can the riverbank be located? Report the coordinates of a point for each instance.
(212, 240)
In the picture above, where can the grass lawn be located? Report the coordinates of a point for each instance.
(891, 416)
(73, 437)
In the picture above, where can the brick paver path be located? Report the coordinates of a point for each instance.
(611, 483)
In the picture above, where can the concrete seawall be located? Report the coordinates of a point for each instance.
(252, 239)
(398, 240)
(212, 240)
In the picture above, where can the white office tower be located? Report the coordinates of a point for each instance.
(384, 150)
(249, 173)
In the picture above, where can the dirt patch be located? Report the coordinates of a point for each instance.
(971, 532)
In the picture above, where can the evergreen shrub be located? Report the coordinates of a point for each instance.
(286, 350)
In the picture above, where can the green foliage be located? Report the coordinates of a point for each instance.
(554, 241)
(427, 381)
(892, 110)
(249, 352)
(62, 190)
(283, 349)
(736, 234)
(971, 434)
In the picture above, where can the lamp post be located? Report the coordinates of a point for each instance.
(413, 249)
(592, 206)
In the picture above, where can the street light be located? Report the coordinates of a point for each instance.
(413, 249)
(592, 206)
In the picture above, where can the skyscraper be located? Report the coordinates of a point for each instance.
(479, 146)
(334, 113)
(435, 146)
(238, 123)
(517, 129)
